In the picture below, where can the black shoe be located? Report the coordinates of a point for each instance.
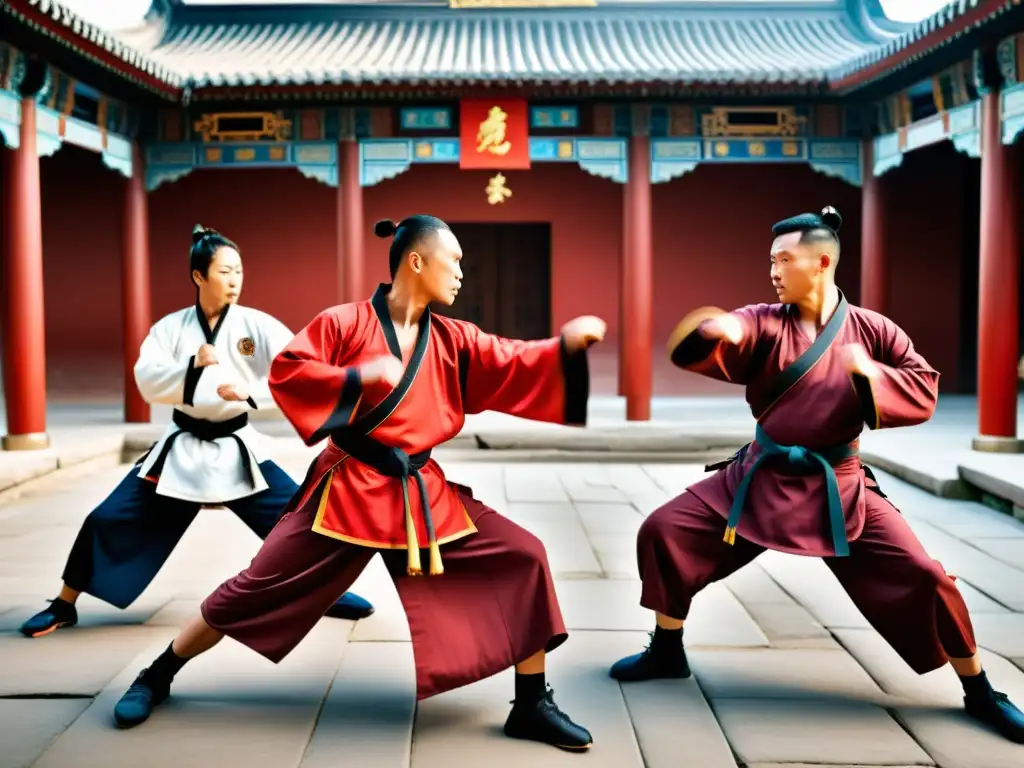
(652, 664)
(60, 614)
(996, 709)
(136, 705)
(350, 606)
(542, 720)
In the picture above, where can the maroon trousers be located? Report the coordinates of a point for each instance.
(494, 606)
(904, 594)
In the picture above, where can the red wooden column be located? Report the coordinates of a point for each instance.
(637, 271)
(135, 290)
(874, 266)
(350, 223)
(998, 285)
(24, 345)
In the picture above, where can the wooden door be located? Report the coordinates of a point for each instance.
(506, 285)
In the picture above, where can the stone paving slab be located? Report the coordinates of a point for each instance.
(671, 719)
(367, 718)
(770, 673)
(996, 579)
(793, 731)
(759, 635)
(228, 707)
(29, 726)
(813, 585)
(466, 723)
(1009, 550)
(999, 474)
(78, 662)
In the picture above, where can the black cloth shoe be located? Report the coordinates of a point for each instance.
(995, 709)
(660, 659)
(60, 614)
(350, 606)
(136, 705)
(540, 719)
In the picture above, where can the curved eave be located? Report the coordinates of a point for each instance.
(57, 23)
(943, 28)
(536, 89)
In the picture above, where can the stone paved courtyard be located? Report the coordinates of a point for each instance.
(787, 672)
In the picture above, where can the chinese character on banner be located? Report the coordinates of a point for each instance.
(494, 134)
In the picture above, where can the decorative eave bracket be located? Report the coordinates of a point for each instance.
(839, 158)
(381, 159)
(961, 125)
(316, 160)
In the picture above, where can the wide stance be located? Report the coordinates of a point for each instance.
(816, 369)
(386, 380)
(210, 361)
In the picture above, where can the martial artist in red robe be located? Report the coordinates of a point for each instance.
(815, 369)
(385, 381)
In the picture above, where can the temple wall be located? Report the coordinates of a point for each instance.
(711, 239)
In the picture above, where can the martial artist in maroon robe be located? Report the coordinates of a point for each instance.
(385, 381)
(815, 369)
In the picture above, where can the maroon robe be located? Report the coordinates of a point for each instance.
(827, 407)
(683, 546)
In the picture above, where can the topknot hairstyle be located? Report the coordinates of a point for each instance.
(408, 233)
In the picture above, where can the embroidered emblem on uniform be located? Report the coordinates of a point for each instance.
(247, 346)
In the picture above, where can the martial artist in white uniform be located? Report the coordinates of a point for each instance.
(210, 361)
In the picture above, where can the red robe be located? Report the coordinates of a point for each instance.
(786, 511)
(315, 382)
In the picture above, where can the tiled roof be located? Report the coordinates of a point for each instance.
(948, 23)
(424, 42)
(353, 45)
(44, 14)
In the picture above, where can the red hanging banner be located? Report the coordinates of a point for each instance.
(494, 134)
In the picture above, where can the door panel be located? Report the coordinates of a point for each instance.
(506, 286)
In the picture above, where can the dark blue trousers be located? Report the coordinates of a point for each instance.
(125, 541)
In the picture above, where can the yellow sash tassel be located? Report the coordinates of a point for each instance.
(730, 535)
(436, 566)
(413, 567)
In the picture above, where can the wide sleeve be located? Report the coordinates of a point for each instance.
(906, 389)
(537, 380)
(314, 392)
(690, 350)
(159, 375)
(274, 337)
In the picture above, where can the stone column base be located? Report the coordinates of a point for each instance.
(34, 441)
(990, 444)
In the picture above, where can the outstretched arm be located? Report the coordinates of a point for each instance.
(895, 385)
(716, 343)
(544, 380)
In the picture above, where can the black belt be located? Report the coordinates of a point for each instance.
(208, 431)
(394, 462)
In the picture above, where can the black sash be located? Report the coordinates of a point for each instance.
(205, 430)
(354, 439)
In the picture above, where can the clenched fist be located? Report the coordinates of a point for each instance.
(233, 392)
(582, 332)
(386, 368)
(725, 327)
(857, 360)
(207, 355)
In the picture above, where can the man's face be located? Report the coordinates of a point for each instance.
(797, 268)
(223, 282)
(438, 267)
